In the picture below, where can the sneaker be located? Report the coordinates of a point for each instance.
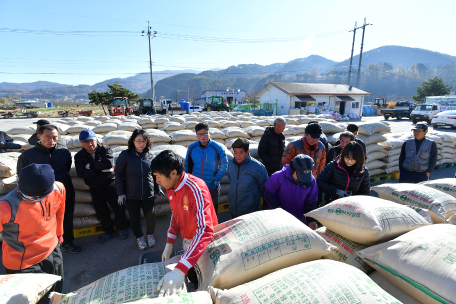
(151, 240)
(107, 237)
(141, 243)
(71, 248)
(123, 234)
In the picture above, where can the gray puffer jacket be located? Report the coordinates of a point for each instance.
(247, 182)
(133, 175)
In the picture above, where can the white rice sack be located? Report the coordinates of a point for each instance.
(446, 185)
(128, 127)
(435, 138)
(372, 139)
(230, 141)
(24, 288)
(158, 136)
(173, 126)
(452, 219)
(375, 156)
(72, 123)
(393, 152)
(366, 219)
(82, 196)
(177, 118)
(254, 130)
(447, 155)
(391, 164)
(79, 184)
(254, 245)
(375, 164)
(183, 135)
(306, 120)
(83, 118)
(420, 262)
(333, 138)
(261, 123)
(213, 124)
(149, 126)
(21, 130)
(78, 128)
(256, 138)
(6, 188)
(84, 209)
(298, 129)
(227, 124)
(425, 213)
(8, 163)
(135, 284)
(330, 128)
(217, 134)
(190, 125)
(373, 148)
(392, 144)
(220, 141)
(185, 143)
(347, 250)
(420, 196)
(105, 128)
(375, 172)
(146, 120)
(373, 127)
(117, 138)
(232, 132)
(288, 131)
(391, 169)
(61, 128)
(93, 123)
(245, 124)
(178, 149)
(21, 137)
(322, 281)
(392, 289)
(161, 120)
(85, 221)
(448, 150)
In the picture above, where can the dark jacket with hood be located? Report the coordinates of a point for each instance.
(59, 157)
(134, 177)
(94, 177)
(335, 177)
(271, 149)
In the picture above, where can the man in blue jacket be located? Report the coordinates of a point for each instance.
(247, 180)
(207, 160)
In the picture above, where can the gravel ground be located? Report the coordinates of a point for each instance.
(97, 260)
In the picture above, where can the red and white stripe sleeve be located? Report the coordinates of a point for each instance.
(204, 228)
(173, 231)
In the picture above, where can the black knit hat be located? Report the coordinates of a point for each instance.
(314, 130)
(36, 180)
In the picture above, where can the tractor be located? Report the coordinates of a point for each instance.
(120, 106)
(216, 103)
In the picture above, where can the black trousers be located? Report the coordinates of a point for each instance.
(68, 236)
(147, 206)
(101, 196)
(412, 177)
(215, 195)
(52, 264)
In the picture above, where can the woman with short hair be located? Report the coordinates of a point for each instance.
(136, 186)
(346, 175)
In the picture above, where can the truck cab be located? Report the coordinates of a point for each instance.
(424, 112)
(402, 109)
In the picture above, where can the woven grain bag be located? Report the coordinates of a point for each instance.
(105, 128)
(421, 262)
(392, 143)
(128, 127)
(158, 136)
(137, 283)
(231, 132)
(447, 185)
(179, 150)
(190, 125)
(254, 130)
(322, 281)
(373, 127)
(8, 163)
(289, 130)
(161, 120)
(375, 164)
(25, 288)
(375, 156)
(418, 195)
(84, 209)
(392, 152)
(213, 124)
(330, 128)
(78, 128)
(177, 118)
(79, 184)
(82, 196)
(366, 219)
(374, 148)
(253, 245)
(198, 297)
(217, 134)
(183, 135)
(117, 138)
(372, 139)
(85, 221)
(245, 124)
(392, 289)
(173, 126)
(21, 130)
(347, 250)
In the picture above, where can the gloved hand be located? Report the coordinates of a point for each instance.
(121, 199)
(88, 166)
(60, 238)
(341, 193)
(160, 192)
(167, 252)
(171, 284)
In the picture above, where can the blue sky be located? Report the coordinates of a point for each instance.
(91, 41)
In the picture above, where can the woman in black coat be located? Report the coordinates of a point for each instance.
(135, 186)
(345, 176)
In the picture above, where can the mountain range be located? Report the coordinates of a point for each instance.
(178, 84)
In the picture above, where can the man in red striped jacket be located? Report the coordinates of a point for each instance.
(193, 215)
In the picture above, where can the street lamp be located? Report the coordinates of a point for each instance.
(228, 89)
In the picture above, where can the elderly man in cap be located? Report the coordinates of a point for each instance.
(310, 145)
(34, 138)
(418, 156)
(31, 220)
(247, 179)
(294, 189)
(95, 164)
(272, 145)
(49, 151)
(354, 129)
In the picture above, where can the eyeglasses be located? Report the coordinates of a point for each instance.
(140, 141)
(349, 159)
(202, 134)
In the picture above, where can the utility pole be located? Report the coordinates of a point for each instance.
(361, 53)
(149, 34)
(351, 57)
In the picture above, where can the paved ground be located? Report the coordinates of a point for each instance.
(97, 260)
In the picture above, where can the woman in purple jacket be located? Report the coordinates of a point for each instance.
(294, 189)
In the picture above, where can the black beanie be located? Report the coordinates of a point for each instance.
(36, 180)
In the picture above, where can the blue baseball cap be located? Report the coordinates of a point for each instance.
(303, 164)
(87, 135)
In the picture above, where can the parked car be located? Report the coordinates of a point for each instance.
(424, 112)
(196, 109)
(444, 119)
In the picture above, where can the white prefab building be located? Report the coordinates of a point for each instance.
(342, 98)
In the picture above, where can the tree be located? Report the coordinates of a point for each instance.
(105, 98)
(432, 87)
(3, 101)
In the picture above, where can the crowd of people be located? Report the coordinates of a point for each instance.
(37, 217)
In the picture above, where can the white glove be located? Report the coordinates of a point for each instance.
(341, 193)
(167, 252)
(171, 284)
(121, 199)
(88, 166)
